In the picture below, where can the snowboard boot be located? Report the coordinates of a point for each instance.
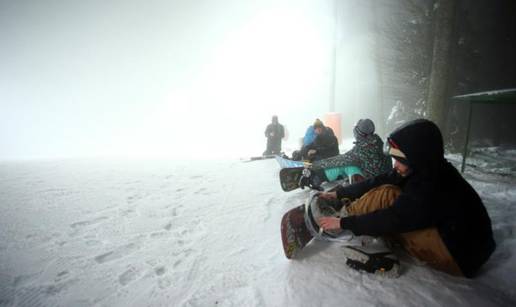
(296, 155)
(373, 256)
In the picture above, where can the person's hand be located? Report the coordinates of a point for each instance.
(329, 223)
(328, 195)
(312, 152)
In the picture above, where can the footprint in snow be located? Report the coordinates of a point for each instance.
(128, 276)
(88, 222)
(117, 253)
(160, 270)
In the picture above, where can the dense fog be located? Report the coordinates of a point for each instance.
(160, 78)
(201, 79)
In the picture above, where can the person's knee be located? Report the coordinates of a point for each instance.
(389, 187)
(382, 196)
(388, 192)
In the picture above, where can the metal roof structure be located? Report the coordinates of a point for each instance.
(489, 97)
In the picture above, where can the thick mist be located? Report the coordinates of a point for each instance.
(186, 79)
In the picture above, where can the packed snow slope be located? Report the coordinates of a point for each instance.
(173, 233)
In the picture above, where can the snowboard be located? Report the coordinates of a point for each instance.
(290, 178)
(299, 225)
(287, 163)
(294, 233)
(265, 157)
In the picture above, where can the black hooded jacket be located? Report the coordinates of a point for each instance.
(434, 194)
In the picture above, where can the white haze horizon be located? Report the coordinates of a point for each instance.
(169, 79)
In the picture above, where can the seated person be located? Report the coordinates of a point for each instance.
(324, 145)
(366, 156)
(423, 203)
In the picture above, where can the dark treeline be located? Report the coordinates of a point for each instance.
(431, 50)
(485, 59)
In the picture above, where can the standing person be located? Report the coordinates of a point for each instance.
(324, 145)
(424, 202)
(274, 133)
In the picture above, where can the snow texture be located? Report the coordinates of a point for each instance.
(174, 233)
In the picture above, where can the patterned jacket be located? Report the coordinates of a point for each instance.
(367, 153)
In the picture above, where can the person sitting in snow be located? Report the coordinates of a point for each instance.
(307, 140)
(423, 202)
(365, 159)
(324, 145)
(274, 133)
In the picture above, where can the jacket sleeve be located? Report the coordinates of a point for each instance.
(406, 214)
(325, 141)
(358, 189)
(281, 131)
(348, 158)
(267, 130)
(309, 136)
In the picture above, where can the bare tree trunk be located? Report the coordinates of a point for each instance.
(444, 14)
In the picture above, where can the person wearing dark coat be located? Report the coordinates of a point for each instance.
(325, 144)
(274, 133)
(424, 202)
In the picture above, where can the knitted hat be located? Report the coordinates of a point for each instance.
(364, 127)
(318, 123)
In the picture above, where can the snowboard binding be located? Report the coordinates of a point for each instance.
(373, 257)
(310, 179)
(363, 253)
(317, 208)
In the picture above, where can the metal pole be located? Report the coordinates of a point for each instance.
(465, 151)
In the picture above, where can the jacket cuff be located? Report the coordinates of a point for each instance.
(340, 192)
(343, 223)
(348, 223)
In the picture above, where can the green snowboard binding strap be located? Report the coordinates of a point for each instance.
(342, 172)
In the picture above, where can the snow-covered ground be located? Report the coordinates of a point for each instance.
(172, 233)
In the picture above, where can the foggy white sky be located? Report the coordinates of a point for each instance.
(159, 78)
